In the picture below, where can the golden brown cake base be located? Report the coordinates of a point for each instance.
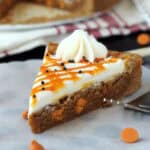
(91, 97)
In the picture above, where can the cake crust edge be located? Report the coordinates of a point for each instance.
(90, 98)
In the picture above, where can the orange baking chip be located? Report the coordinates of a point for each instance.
(58, 114)
(25, 115)
(143, 39)
(129, 135)
(81, 102)
(36, 146)
(80, 105)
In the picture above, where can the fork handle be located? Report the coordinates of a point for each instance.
(141, 51)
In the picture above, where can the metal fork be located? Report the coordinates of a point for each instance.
(141, 103)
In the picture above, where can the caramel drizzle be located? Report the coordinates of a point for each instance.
(55, 79)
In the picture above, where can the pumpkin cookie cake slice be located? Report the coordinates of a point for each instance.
(75, 78)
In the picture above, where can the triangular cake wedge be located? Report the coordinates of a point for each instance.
(66, 89)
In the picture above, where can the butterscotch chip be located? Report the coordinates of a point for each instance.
(143, 39)
(80, 105)
(129, 135)
(25, 115)
(81, 102)
(58, 114)
(36, 146)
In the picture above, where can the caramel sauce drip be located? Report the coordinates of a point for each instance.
(53, 80)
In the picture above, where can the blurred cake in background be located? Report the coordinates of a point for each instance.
(5, 5)
(39, 11)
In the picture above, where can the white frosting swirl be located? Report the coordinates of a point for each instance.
(80, 44)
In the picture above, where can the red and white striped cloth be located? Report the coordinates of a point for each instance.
(103, 25)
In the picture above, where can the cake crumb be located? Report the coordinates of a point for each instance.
(25, 115)
(35, 146)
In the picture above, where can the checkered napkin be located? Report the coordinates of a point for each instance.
(123, 19)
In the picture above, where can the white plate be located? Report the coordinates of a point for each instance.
(10, 27)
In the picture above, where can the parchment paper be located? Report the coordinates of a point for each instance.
(99, 130)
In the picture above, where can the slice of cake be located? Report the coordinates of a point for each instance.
(78, 76)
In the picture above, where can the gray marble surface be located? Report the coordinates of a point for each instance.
(99, 130)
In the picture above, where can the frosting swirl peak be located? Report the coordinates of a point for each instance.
(78, 45)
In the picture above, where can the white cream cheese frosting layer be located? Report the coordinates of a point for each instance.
(80, 44)
(44, 98)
